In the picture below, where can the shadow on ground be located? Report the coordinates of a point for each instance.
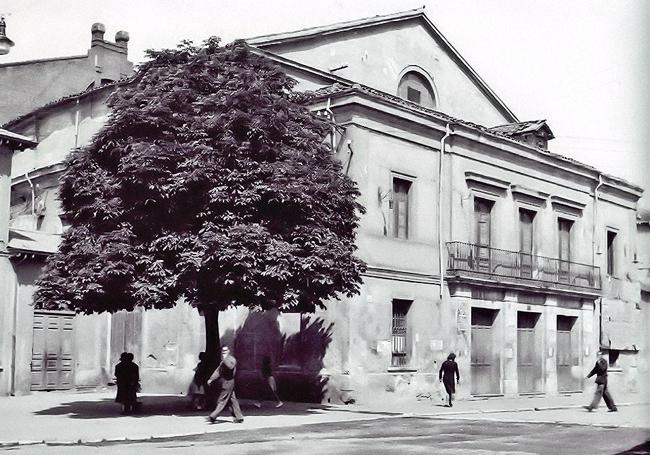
(168, 405)
(641, 449)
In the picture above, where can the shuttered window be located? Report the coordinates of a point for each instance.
(611, 253)
(564, 248)
(482, 211)
(526, 231)
(526, 242)
(401, 192)
(483, 218)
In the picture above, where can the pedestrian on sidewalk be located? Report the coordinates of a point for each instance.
(127, 376)
(600, 370)
(448, 370)
(267, 374)
(198, 387)
(225, 373)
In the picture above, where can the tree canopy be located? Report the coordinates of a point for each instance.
(211, 181)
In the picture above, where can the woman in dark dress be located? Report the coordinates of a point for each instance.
(448, 370)
(127, 375)
(199, 386)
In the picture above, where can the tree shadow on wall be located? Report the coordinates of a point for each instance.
(296, 359)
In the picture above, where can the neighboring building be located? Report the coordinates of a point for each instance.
(642, 257)
(517, 259)
(9, 143)
(31, 84)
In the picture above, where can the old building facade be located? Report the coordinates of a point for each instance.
(477, 239)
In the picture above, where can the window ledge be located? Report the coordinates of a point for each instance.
(402, 370)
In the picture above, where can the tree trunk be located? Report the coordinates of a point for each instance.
(212, 342)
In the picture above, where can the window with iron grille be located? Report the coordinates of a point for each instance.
(399, 331)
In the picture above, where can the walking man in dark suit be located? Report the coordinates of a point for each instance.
(600, 370)
(225, 373)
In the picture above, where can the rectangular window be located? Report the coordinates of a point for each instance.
(413, 95)
(483, 219)
(564, 248)
(611, 253)
(401, 190)
(526, 242)
(399, 332)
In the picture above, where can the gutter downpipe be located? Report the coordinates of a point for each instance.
(76, 126)
(31, 185)
(593, 260)
(443, 142)
(331, 114)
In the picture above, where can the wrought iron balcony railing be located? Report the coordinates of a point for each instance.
(485, 260)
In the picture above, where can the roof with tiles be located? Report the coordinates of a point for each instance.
(518, 128)
(340, 89)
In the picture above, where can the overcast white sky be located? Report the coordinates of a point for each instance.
(580, 64)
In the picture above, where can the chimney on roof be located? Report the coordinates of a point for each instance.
(122, 39)
(97, 33)
(5, 42)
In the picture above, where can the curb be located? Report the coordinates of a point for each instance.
(167, 436)
(524, 409)
(545, 422)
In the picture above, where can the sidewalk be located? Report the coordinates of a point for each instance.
(68, 417)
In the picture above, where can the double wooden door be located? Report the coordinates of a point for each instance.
(52, 351)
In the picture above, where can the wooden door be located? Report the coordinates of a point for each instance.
(126, 334)
(52, 352)
(526, 243)
(484, 362)
(529, 363)
(567, 355)
(482, 213)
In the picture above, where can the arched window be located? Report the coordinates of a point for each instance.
(414, 87)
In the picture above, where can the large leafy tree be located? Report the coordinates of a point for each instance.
(211, 181)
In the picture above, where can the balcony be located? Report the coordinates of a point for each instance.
(480, 263)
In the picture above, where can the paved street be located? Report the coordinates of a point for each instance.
(80, 423)
(381, 436)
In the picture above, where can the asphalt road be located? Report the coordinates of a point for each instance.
(383, 436)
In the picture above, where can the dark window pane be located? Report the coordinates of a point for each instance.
(413, 95)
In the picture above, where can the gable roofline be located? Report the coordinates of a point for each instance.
(415, 14)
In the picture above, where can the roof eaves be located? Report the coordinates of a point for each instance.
(42, 60)
(339, 90)
(17, 141)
